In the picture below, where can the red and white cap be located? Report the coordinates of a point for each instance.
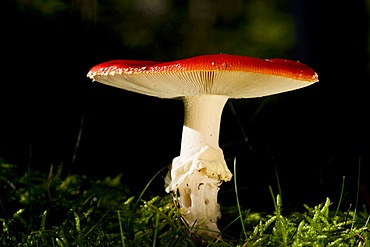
(220, 74)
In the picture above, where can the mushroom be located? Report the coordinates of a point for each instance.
(204, 83)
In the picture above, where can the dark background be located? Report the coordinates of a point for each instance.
(310, 137)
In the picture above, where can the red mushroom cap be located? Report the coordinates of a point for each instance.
(220, 74)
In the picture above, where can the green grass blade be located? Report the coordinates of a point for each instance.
(121, 229)
(237, 202)
(147, 186)
(358, 191)
(156, 229)
(340, 197)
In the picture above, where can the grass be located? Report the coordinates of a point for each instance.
(57, 209)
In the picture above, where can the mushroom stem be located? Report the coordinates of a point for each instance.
(201, 123)
(200, 169)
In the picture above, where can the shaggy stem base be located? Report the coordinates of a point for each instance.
(200, 169)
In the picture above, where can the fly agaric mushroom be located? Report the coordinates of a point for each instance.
(205, 83)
